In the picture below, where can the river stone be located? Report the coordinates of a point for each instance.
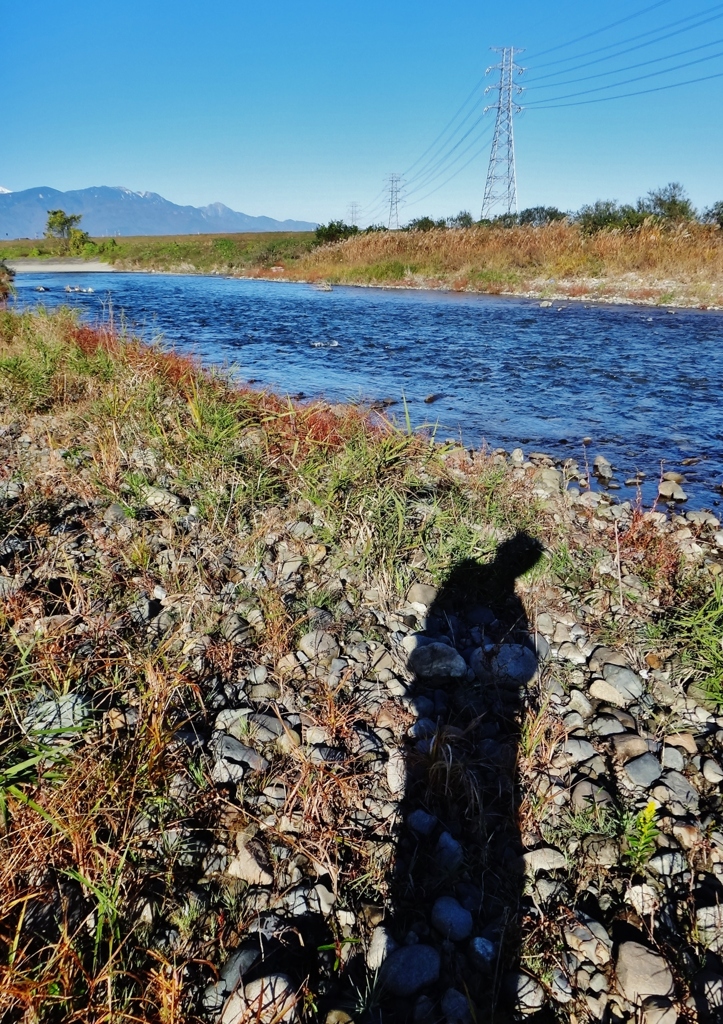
(58, 718)
(161, 499)
(227, 748)
(449, 852)
(709, 923)
(589, 940)
(482, 952)
(437, 661)
(671, 491)
(231, 973)
(409, 969)
(515, 663)
(676, 792)
(712, 772)
(451, 919)
(641, 973)
(421, 593)
(455, 1007)
(319, 646)
(381, 946)
(602, 468)
(587, 793)
(545, 858)
(527, 994)
(270, 1000)
(421, 822)
(249, 866)
(643, 771)
(576, 750)
(627, 685)
(627, 745)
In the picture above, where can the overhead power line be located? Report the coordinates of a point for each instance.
(626, 95)
(631, 67)
(605, 28)
(629, 81)
(632, 39)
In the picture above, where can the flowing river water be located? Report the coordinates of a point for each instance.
(645, 385)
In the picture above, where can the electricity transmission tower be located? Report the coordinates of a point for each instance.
(394, 189)
(354, 211)
(501, 185)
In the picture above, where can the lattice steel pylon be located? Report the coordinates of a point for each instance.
(501, 185)
(394, 189)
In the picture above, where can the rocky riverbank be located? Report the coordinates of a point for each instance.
(309, 719)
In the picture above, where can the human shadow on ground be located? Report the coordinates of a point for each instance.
(457, 887)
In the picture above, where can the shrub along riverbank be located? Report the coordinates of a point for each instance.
(653, 263)
(309, 718)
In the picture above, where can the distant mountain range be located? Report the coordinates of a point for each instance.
(119, 211)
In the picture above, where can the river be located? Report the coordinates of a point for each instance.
(644, 384)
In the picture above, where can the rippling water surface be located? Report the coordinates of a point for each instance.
(646, 385)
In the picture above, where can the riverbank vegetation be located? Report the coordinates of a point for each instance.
(234, 786)
(658, 250)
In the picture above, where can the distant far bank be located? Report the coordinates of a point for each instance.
(651, 265)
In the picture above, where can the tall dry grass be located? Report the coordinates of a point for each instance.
(686, 261)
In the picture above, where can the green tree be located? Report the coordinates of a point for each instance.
(464, 219)
(78, 240)
(60, 224)
(334, 231)
(425, 224)
(607, 214)
(538, 216)
(668, 203)
(714, 214)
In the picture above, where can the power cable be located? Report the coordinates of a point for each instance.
(459, 170)
(444, 130)
(631, 67)
(443, 170)
(641, 35)
(605, 28)
(626, 95)
(637, 78)
(438, 168)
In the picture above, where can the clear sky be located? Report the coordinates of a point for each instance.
(295, 109)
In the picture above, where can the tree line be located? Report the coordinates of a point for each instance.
(669, 205)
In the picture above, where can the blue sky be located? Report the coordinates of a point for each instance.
(295, 109)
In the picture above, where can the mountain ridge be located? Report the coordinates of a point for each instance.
(113, 210)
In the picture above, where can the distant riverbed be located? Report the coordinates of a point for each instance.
(644, 384)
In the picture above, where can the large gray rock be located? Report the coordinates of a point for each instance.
(449, 853)
(677, 793)
(451, 919)
(641, 972)
(229, 977)
(709, 922)
(527, 994)
(437, 661)
(57, 718)
(455, 1007)
(409, 969)
(643, 771)
(319, 646)
(515, 663)
(269, 1000)
(160, 499)
(589, 940)
(421, 593)
(627, 685)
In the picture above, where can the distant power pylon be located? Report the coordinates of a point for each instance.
(501, 185)
(394, 189)
(354, 211)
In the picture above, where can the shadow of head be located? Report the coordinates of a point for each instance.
(471, 583)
